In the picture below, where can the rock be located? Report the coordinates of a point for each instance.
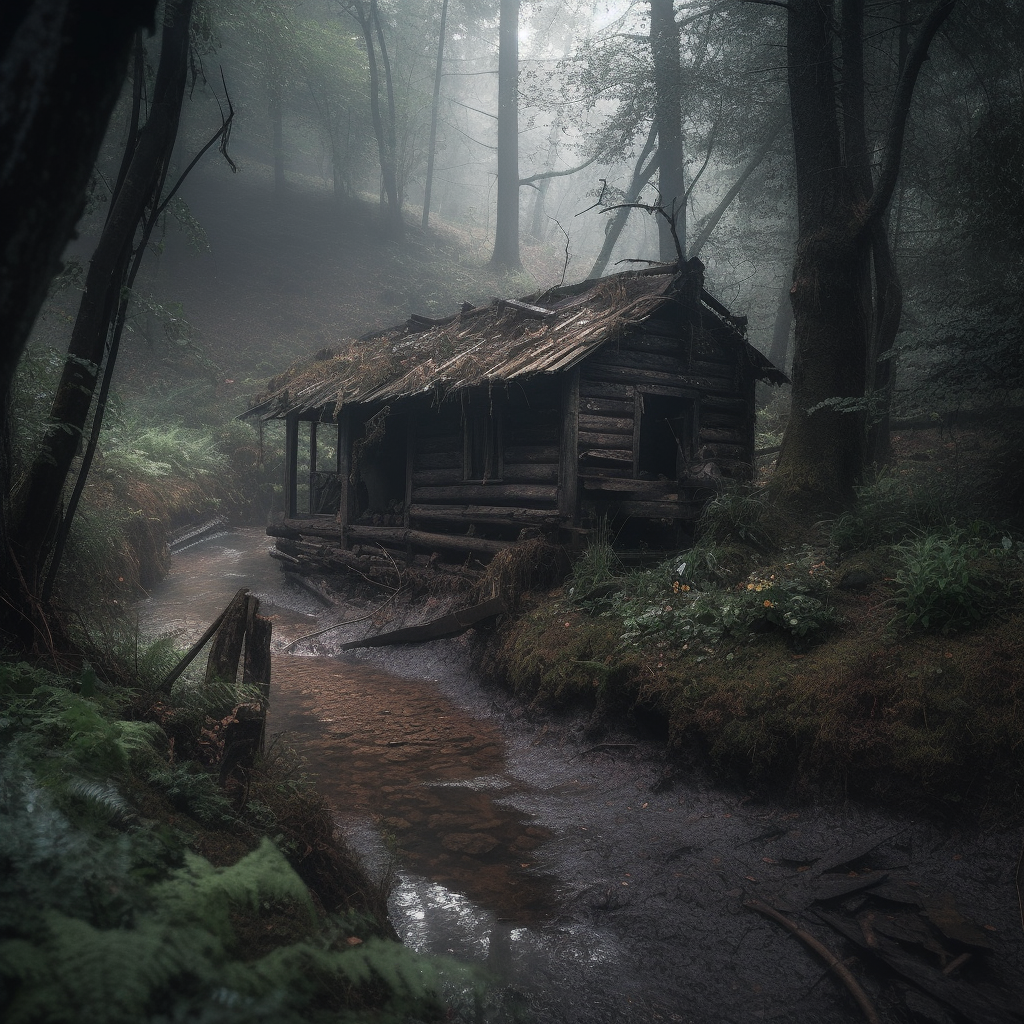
(474, 843)
(855, 578)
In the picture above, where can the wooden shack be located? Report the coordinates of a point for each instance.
(627, 399)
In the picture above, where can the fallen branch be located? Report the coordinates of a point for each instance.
(835, 964)
(199, 644)
(338, 625)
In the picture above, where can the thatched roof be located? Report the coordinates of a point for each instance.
(502, 341)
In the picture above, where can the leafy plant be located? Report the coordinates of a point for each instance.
(737, 513)
(939, 584)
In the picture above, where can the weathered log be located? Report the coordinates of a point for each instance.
(493, 514)
(722, 435)
(607, 424)
(485, 492)
(591, 388)
(280, 530)
(431, 541)
(196, 647)
(313, 589)
(283, 556)
(588, 439)
(647, 379)
(226, 648)
(607, 406)
(609, 454)
(593, 482)
(448, 625)
(541, 473)
(661, 509)
(640, 361)
(531, 454)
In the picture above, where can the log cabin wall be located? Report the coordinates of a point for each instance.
(664, 412)
(487, 459)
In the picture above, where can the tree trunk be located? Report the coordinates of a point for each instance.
(668, 117)
(822, 452)
(433, 117)
(37, 504)
(62, 65)
(642, 173)
(840, 212)
(506, 229)
(537, 220)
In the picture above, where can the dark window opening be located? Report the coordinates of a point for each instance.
(666, 436)
(482, 452)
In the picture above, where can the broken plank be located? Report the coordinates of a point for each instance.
(447, 625)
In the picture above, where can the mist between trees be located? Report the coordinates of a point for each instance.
(856, 165)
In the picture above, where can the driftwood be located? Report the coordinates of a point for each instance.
(399, 535)
(447, 625)
(196, 648)
(835, 964)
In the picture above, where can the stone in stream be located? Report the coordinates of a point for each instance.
(475, 843)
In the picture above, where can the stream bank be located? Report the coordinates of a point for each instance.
(593, 879)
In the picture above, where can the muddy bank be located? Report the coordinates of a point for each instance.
(592, 878)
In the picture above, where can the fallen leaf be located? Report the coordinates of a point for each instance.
(353, 941)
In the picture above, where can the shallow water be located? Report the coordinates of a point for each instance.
(590, 879)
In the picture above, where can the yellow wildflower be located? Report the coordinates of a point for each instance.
(768, 604)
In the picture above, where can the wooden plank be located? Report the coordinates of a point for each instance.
(590, 388)
(527, 310)
(542, 473)
(321, 526)
(640, 361)
(487, 514)
(649, 379)
(489, 492)
(447, 625)
(531, 454)
(662, 509)
(608, 454)
(646, 487)
(569, 463)
(226, 648)
(345, 467)
(606, 406)
(431, 541)
(588, 439)
(722, 435)
(291, 454)
(607, 424)
(436, 477)
(410, 451)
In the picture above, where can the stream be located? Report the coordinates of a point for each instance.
(591, 879)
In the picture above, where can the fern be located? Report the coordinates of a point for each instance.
(200, 894)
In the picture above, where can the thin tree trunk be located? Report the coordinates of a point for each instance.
(433, 116)
(506, 229)
(37, 504)
(782, 329)
(668, 115)
(642, 173)
(711, 222)
(537, 220)
(277, 129)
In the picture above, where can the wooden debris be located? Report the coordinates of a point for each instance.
(835, 964)
(447, 625)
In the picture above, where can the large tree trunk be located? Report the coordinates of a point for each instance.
(62, 64)
(839, 212)
(38, 502)
(506, 228)
(668, 117)
(384, 131)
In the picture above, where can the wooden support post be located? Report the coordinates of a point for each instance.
(344, 471)
(569, 460)
(226, 648)
(410, 451)
(638, 419)
(291, 454)
(313, 503)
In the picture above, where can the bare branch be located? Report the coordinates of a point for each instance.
(893, 148)
(558, 174)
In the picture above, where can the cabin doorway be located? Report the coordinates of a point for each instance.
(666, 436)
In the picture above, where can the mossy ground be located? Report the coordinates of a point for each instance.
(870, 709)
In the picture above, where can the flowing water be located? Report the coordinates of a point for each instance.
(591, 880)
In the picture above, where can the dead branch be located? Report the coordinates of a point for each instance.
(835, 964)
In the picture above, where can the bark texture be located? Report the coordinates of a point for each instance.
(506, 229)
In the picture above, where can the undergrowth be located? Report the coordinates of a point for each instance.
(133, 888)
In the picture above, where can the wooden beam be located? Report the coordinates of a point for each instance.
(430, 541)
(569, 460)
(345, 466)
(661, 509)
(447, 625)
(493, 515)
(291, 454)
(605, 424)
(485, 493)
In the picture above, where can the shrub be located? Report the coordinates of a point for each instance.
(737, 513)
(939, 584)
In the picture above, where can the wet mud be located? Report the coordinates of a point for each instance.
(592, 881)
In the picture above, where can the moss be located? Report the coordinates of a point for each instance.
(930, 721)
